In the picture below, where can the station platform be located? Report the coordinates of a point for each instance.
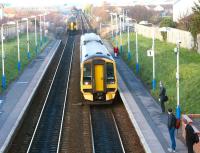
(15, 101)
(144, 111)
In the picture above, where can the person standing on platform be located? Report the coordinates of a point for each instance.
(171, 127)
(190, 136)
(162, 96)
(116, 51)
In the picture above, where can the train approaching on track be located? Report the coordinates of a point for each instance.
(72, 23)
(98, 80)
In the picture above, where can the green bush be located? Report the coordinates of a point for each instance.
(167, 22)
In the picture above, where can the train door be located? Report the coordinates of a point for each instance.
(71, 26)
(99, 77)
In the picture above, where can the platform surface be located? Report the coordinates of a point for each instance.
(144, 111)
(15, 100)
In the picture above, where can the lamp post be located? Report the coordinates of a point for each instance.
(18, 49)
(36, 43)
(40, 32)
(136, 48)
(120, 17)
(111, 18)
(153, 54)
(178, 110)
(116, 32)
(27, 36)
(123, 21)
(18, 43)
(3, 59)
(153, 50)
(100, 28)
(45, 39)
(128, 31)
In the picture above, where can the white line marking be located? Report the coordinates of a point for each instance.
(22, 82)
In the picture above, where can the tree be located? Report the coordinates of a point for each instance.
(88, 8)
(194, 24)
(140, 13)
(167, 22)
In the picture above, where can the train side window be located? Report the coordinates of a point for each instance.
(110, 73)
(87, 77)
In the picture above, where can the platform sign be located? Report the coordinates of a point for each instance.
(150, 53)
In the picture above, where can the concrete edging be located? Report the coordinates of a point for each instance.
(135, 124)
(42, 68)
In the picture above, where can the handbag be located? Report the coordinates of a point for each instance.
(196, 138)
(165, 98)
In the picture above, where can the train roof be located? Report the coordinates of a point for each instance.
(92, 46)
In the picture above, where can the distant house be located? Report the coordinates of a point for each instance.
(162, 9)
(9, 12)
(182, 8)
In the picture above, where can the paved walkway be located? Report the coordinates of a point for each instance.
(17, 98)
(144, 111)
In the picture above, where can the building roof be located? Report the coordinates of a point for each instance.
(158, 8)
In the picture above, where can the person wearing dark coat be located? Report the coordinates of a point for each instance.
(162, 95)
(189, 137)
(171, 124)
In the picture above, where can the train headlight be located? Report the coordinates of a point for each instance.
(110, 81)
(87, 83)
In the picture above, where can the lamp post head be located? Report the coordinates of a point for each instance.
(11, 23)
(33, 16)
(24, 19)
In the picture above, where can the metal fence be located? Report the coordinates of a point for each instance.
(10, 31)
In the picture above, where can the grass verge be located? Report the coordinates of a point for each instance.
(165, 65)
(11, 60)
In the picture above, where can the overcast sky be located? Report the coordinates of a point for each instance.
(70, 2)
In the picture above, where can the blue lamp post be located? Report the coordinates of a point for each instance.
(45, 37)
(178, 109)
(120, 27)
(18, 49)
(116, 32)
(153, 50)
(128, 37)
(3, 59)
(136, 48)
(27, 36)
(40, 32)
(36, 44)
(18, 43)
(111, 18)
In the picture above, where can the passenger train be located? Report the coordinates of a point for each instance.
(98, 80)
(72, 24)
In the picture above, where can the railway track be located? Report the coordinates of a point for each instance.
(46, 136)
(84, 128)
(104, 131)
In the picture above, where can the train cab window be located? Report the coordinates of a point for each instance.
(110, 73)
(87, 77)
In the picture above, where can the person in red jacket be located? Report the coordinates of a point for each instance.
(116, 51)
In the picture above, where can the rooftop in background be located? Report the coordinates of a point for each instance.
(80, 3)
